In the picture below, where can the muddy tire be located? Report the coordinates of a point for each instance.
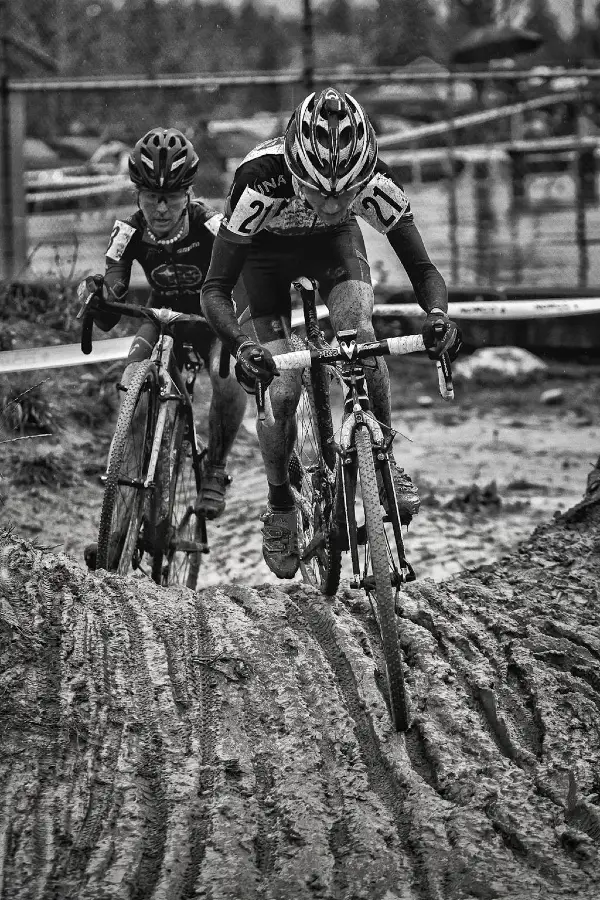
(311, 472)
(381, 579)
(121, 537)
(178, 554)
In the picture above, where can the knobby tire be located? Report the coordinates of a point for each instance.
(384, 591)
(311, 474)
(123, 505)
(178, 554)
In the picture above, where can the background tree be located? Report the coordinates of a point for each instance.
(406, 29)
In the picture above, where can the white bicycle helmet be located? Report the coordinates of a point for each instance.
(163, 160)
(329, 143)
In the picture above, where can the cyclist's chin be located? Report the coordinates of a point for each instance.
(333, 218)
(161, 228)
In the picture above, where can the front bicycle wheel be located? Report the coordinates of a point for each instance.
(313, 481)
(378, 581)
(124, 530)
(178, 554)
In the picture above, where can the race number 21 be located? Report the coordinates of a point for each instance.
(388, 205)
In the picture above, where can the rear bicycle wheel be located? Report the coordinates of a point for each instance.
(313, 482)
(121, 537)
(178, 552)
(378, 579)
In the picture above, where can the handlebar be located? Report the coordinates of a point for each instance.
(395, 346)
(161, 316)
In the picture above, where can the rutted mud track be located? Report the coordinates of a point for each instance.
(236, 743)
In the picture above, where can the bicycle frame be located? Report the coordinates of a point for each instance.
(173, 389)
(358, 413)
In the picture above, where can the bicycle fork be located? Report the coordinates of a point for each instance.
(355, 535)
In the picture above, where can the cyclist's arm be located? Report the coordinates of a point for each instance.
(385, 206)
(427, 282)
(230, 249)
(117, 271)
(217, 305)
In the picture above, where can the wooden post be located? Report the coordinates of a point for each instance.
(452, 197)
(6, 212)
(308, 50)
(18, 124)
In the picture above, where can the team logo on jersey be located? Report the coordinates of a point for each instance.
(271, 184)
(119, 238)
(181, 278)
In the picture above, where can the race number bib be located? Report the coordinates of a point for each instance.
(382, 203)
(250, 214)
(119, 238)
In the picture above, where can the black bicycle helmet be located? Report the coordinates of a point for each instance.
(163, 160)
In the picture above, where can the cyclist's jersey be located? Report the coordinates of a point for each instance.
(176, 271)
(265, 197)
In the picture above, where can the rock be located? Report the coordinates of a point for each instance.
(424, 400)
(497, 365)
(552, 397)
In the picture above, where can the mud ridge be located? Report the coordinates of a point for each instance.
(236, 743)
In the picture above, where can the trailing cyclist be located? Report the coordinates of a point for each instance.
(292, 210)
(171, 236)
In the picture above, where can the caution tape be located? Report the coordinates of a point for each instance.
(496, 310)
(113, 187)
(62, 356)
(66, 355)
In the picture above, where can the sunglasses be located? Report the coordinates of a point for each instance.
(153, 198)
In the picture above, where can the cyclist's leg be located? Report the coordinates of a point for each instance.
(342, 269)
(141, 348)
(264, 287)
(339, 262)
(280, 522)
(225, 416)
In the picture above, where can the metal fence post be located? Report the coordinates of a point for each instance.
(6, 212)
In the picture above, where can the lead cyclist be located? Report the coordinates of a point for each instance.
(292, 210)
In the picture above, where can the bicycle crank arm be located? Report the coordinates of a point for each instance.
(183, 546)
(313, 547)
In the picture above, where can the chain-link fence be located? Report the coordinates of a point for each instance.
(509, 196)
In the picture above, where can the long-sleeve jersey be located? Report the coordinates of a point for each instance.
(176, 271)
(264, 201)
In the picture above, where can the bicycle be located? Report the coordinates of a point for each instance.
(148, 522)
(328, 467)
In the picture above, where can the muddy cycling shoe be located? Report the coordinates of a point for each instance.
(280, 541)
(90, 555)
(210, 501)
(407, 496)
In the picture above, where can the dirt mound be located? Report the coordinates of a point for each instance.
(235, 743)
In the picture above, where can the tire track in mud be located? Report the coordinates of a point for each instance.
(236, 743)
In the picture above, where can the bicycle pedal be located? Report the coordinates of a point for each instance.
(183, 546)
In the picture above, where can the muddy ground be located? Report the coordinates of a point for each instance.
(235, 743)
(490, 465)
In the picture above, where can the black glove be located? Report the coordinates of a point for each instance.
(254, 363)
(441, 335)
(92, 294)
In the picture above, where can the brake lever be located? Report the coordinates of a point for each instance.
(445, 377)
(264, 410)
